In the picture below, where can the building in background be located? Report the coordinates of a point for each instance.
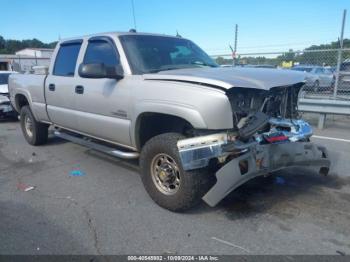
(24, 60)
(36, 52)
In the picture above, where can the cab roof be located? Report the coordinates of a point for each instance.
(115, 34)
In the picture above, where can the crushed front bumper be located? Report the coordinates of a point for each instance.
(251, 160)
(264, 159)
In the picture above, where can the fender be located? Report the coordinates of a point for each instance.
(26, 94)
(38, 109)
(184, 111)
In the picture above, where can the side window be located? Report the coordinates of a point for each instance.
(101, 52)
(319, 71)
(66, 59)
(328, 71)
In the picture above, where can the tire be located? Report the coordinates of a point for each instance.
(192, 184)
(39, 131)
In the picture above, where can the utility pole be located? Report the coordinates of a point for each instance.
(36, 59)
(340, 50)
(235, 46)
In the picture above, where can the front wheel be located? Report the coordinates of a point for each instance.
(164, 178)
(34, 132)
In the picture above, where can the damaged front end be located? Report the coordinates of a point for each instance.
(267, 136)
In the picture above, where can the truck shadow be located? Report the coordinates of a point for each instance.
(285, 194)
(54, 140)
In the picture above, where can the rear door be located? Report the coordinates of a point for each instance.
(103, 105)
(60, 86)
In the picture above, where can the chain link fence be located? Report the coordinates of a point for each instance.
(327, 71)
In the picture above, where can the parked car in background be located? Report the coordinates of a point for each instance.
(344, 77)
(318, 78)
(6, 109)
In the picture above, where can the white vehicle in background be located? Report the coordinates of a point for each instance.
(317, 78)
(6, 109)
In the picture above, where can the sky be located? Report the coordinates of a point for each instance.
(264, 25)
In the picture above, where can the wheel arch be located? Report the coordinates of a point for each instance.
(151, 124)
(21, 100)
(168, 112)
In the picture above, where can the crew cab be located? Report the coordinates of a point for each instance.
(199, 130)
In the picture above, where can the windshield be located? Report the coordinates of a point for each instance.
(303, 69)
(4, 78)
(151, 54)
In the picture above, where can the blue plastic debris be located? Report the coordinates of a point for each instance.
(280, 180)
(77, 173)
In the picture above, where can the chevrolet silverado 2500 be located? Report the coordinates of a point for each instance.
(199, 130)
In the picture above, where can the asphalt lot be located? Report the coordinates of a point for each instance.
(107, 211)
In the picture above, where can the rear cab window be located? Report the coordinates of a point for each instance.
(66, 58)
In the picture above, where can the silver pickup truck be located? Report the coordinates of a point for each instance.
(199, 130)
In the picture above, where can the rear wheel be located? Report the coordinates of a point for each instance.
(164, 178)
(34, 132)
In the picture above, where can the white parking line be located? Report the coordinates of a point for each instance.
(230, 244)
(332, 138)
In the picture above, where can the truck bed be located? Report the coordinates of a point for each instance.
(32, 87)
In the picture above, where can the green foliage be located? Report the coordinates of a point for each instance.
(222, 61)
(9, 46)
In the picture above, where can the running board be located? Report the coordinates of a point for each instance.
(98, 147)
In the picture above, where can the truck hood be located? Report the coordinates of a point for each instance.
(226, 78)
(4, 89)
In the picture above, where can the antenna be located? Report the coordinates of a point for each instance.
(133, 13)
(177, 34)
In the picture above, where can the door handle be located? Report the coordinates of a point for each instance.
(79, 90)
(52, 87)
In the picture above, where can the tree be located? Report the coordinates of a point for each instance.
(2, 43)
(9, 46)
(220, 60)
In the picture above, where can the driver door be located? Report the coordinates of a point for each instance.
(102, 105)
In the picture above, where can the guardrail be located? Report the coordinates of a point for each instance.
(324, 107)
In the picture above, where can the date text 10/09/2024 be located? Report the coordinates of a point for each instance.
(173, 258)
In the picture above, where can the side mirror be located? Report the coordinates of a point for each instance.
(100, 71)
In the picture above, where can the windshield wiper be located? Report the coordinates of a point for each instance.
(167, 69)
(201, 63)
